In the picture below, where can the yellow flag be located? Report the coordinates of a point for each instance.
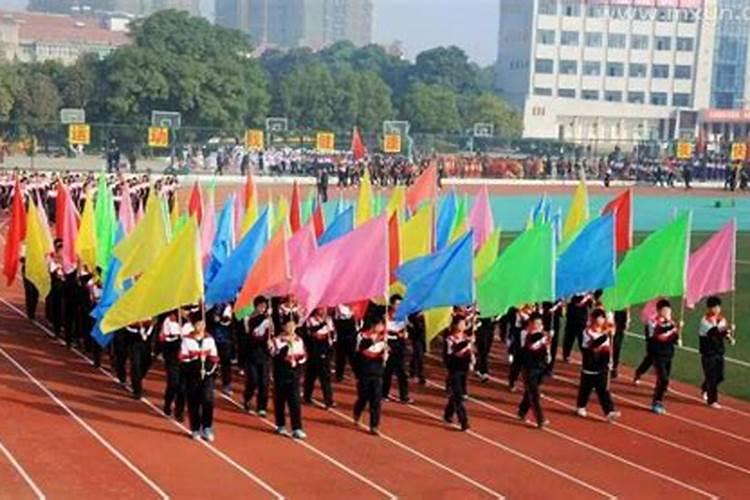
(487, 254)
(174, 279)
(436, 320)
(364, 200)
(578, 214)
(416, 234)
(143, 245)
(281, 214)
(397, 201)
(38, 247)
(251, 215)
(86, 238)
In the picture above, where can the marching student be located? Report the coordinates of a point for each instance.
(535, 354)
(199, 360)
(258, 330)
(288, 351)
(664, 334)
(458, 353)
(320, 337)
(416, 328)
(516, 320)
(595, 348)
(713, 331)
(396, 336)
(54, 304)
(170, 338)
(372, 354)
(346, 340)
(287, 308)
(576, 318)
(551, 317)
(134, 344)
(31, 294)
(221, 331)
(622, 322)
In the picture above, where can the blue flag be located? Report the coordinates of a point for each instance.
(110, 294)
(444, 278)
(223, 243)
(588, 263)
(341, 225)
(445, 219)
(230, 276)
(539, 213)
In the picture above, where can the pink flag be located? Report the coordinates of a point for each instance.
(139, 214)
(302, 246)
(711, 268)
(69, 234)
(125, 213)
(350, 269)
(649, 311)
(208, 229)
(481, 218)
(239, 212)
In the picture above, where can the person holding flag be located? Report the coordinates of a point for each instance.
(372, 354)
(289, 356)
(396, 336)
(199, 360)
(663, 334)
(596, 348)
(170, 337)
(319, 336)
(713, 331)
(458, 361)
(535, 354)
(258, 330)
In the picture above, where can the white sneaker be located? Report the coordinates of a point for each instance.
(715, 406)
(704, 396)
(195, 435)
(208, 435)
(282, 431)
(581, 412)
(613, 415)
(299, 434)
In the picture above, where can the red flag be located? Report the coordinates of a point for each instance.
(394, 245)
(195, 206)
(60, 205)
(318, 222)
(15, 235)
(358, 147)
(424, 188)
(622, 208)
(69, 235)
(249, 190)
(359, 309)
(295, 217)
(271, 269)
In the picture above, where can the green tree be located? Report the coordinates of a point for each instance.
(446, 66)
(489, 108)
(432, 108)
(9, 87)
(308, 96)
(374, 101)
(36, 106)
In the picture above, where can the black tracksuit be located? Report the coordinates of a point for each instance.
(621, 326)
(485, 334)
(663, 335)
(534, 360)
(170, 339)
(258, 330)
(576, 317)
(595, 349)
(288, 360)
(713, 331)
(394, 365)
(457, 362)
(417, 330)
(199, 360)
(319, 339)
(371, 355)
(346, 341)
(551, 317)
(133, 342)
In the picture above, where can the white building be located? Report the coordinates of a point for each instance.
(591, 72)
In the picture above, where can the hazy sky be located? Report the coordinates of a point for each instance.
(420, 24)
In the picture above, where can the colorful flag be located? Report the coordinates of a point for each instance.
(69, 236)
(111, 291)
(105, 222)
(318, 220)
(622, 208)
(251, 205)
(436, 320)
(270, 270)
(424, 189)
(358, 147)
(341, 225)
(174, 280)
(195, 204)
(481, 218)
(61, 204)
(208, 226)
(85, 242)
(149, 234)
(397, 202)
(657, 267)
(223, 243)
(174, 214)
(38, 247)
(578, 215)
(416, 234)
(461, 224)
(126, 213)
(523, 273)
(308, 206)
(394, 246)
(445, 220)
(301, 247)
(280, 215)
(15, 235)
(295, 215)
(712, 267)
(364, 200)
(360, 257)
(588, 263)
(487, 254)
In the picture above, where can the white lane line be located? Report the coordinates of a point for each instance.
(695, 351)
(245, 472)
(25, 475)
(744, 262)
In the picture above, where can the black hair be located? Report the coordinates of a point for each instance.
(260, 299)
(713, 301)
(662, 304)
(395, 298)
(598, 313)
(535, 316)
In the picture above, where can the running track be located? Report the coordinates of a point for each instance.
(70, 431)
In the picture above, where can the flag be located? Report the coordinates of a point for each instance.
(461, 225)
(174, 280)
(61, 205)
(364, 200)
(223, 243)
(126, 213)
(38, 247)
(445, 278)
(436, 320)
(69, 235)
(622, 209)
(301, 247)
(149, 234)
(295, 216)
(45, 222)
(195, 204)
(308, 206)
(416, 234)
(377, 205)
(423, 189)
(227, 281)
(588, 263)
(657, 267)
(358, 147)
(318, 219)
(445, 220)
(523, 273)
(15, 235)
(541, 210)
(487, 254)
(578, 214)
(270, 270)
(174, 214)
(481, 218)
(85, 242)
(105, 223)
(712, 268)
(341, 225)
(280, 215)
(360, 258)
(111, 291)
(557, 226)
(251, 205)
(397, 202)
(208, 226)
(394, 246)
(340, 205)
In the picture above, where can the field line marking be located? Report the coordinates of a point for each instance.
(693, 350)
(25, 475)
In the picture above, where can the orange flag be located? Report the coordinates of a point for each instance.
(16, 234)
(271, 269)
(195, 206)
(295, 216)
(61, 204)
(249, 191)
(424, 188)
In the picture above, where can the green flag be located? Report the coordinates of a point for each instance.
(105, 223)
(524, 273)
(656, 268)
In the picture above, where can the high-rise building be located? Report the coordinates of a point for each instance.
(135, 7)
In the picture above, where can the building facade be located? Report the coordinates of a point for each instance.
(134, 7)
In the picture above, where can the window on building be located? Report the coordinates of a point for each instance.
(683, 72)
(568, 67)
(542, 91)
(681, 100)
(571, 9)
(616, 41)
(545, 66)
(590, 95)
(615, 69)
(546, 37)
(665, 15)
(660, 71)
(569, 38)
(591, 68)
(658, 98)
(613, 96)
(639, 42)
(567, 93)
(548, 7)
(684, 44)
(636, 97)
(663, 43)
(637, 70)
(593, 39)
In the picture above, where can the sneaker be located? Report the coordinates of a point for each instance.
(704, 396)
(422, 381)
(262, 413)
(167, 411)
(581, 412)
(465, 397)
(356, 418)
(208, 435)
(447, 420)
(613, 415)
(636, 380)
(406, 401)
(511, 387)
(715, 406)
(299, 434)
(227, 391)
(331, 405)
(283, 431)
(387, 398)
(658, 409)
(374, 431)
(180, 417)
(465, 427)
(543, 424)
(195, 435)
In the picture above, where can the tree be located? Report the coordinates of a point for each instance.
(9, 86)
(308, 96)
(488, 108)
(374, 101)
(36, 106)
(432, 108)
(446, 66)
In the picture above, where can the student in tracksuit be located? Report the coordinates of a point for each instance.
(170, 338)
(458, 353)
(372, 354)
(199, 360)
(396, 336)
(596, 349)
(289, 357)
(664, 334)
(551, 317)
(416, 328)
(576, 317)
(134, 344)
(485, 334)
(713, 331)
(518, 320)
(221, 331)
(258, 331)
(319, 339)
(346, 339)
(622, 322)
(535, 348)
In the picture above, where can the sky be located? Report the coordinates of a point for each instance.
(419, 24)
